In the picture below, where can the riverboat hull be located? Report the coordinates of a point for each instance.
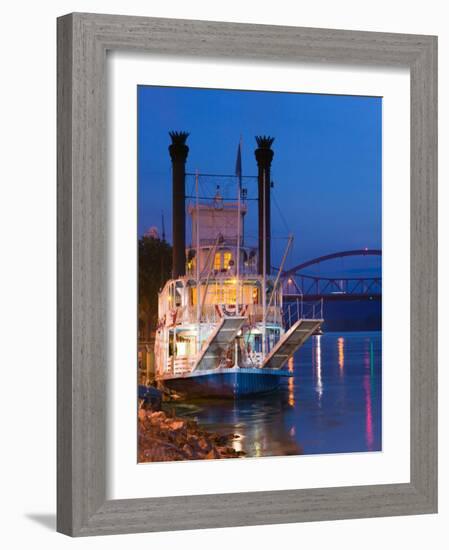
(233, 382)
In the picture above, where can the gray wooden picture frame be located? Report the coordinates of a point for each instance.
(83, 40)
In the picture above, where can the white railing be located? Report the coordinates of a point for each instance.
(212, 314)
(273, 314)
(255, 358)
(300, 310)
(180, 365)
(225, 273)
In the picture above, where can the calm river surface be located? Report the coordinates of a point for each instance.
(331, 403)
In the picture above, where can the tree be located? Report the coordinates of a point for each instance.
(155, 264)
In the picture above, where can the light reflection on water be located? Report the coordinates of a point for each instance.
(341, 354)
(317, 364)
(368, 358)
(291, 383)
(330, 404)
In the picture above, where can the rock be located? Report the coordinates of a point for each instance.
(192, 440)
(204, 444)
(156, 416)
(165, 437)
(171, 395)
(176, 424)
(187, 450)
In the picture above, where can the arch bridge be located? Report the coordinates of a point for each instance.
(299, 285)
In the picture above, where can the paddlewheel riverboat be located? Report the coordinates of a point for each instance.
(221, 329)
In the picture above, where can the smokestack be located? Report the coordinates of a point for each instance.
(264, 156)
(178, 153)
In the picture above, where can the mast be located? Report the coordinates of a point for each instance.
(281, 268)
(239, 192)
(238, 170)
(237, 282)
(198, 307)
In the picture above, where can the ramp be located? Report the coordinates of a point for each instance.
(292, 340)
(218, 343)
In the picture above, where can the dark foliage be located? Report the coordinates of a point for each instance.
(155, 264)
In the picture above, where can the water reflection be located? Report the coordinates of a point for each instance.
(344, 418)
(237, 442)
(291, 383)
(317, 365)
(367, 388)
(341, 355)
(291, 391)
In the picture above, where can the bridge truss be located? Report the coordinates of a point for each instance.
(297, 284)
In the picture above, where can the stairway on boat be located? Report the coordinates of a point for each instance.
(218, 343)
(290, 342)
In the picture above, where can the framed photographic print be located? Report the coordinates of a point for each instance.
(246, 274)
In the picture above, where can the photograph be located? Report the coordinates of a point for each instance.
(259, 265)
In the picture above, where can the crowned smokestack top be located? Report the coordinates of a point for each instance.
(178, 148)
(264, 142)
(178, 152)
(264, 156)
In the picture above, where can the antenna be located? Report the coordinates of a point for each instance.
(239, 196)
(238, 170)
(197, 260)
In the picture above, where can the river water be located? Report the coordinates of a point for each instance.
(331, 403)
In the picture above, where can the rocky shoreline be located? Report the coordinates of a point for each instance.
(165, 438)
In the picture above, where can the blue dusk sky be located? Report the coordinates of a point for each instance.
(327, 165)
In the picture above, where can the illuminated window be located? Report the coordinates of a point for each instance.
(255, 295)
(192, 295)
(248, 294)
(229, 292)
(217, 261)
(226, 259)
(231, 295)
(214, 295)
